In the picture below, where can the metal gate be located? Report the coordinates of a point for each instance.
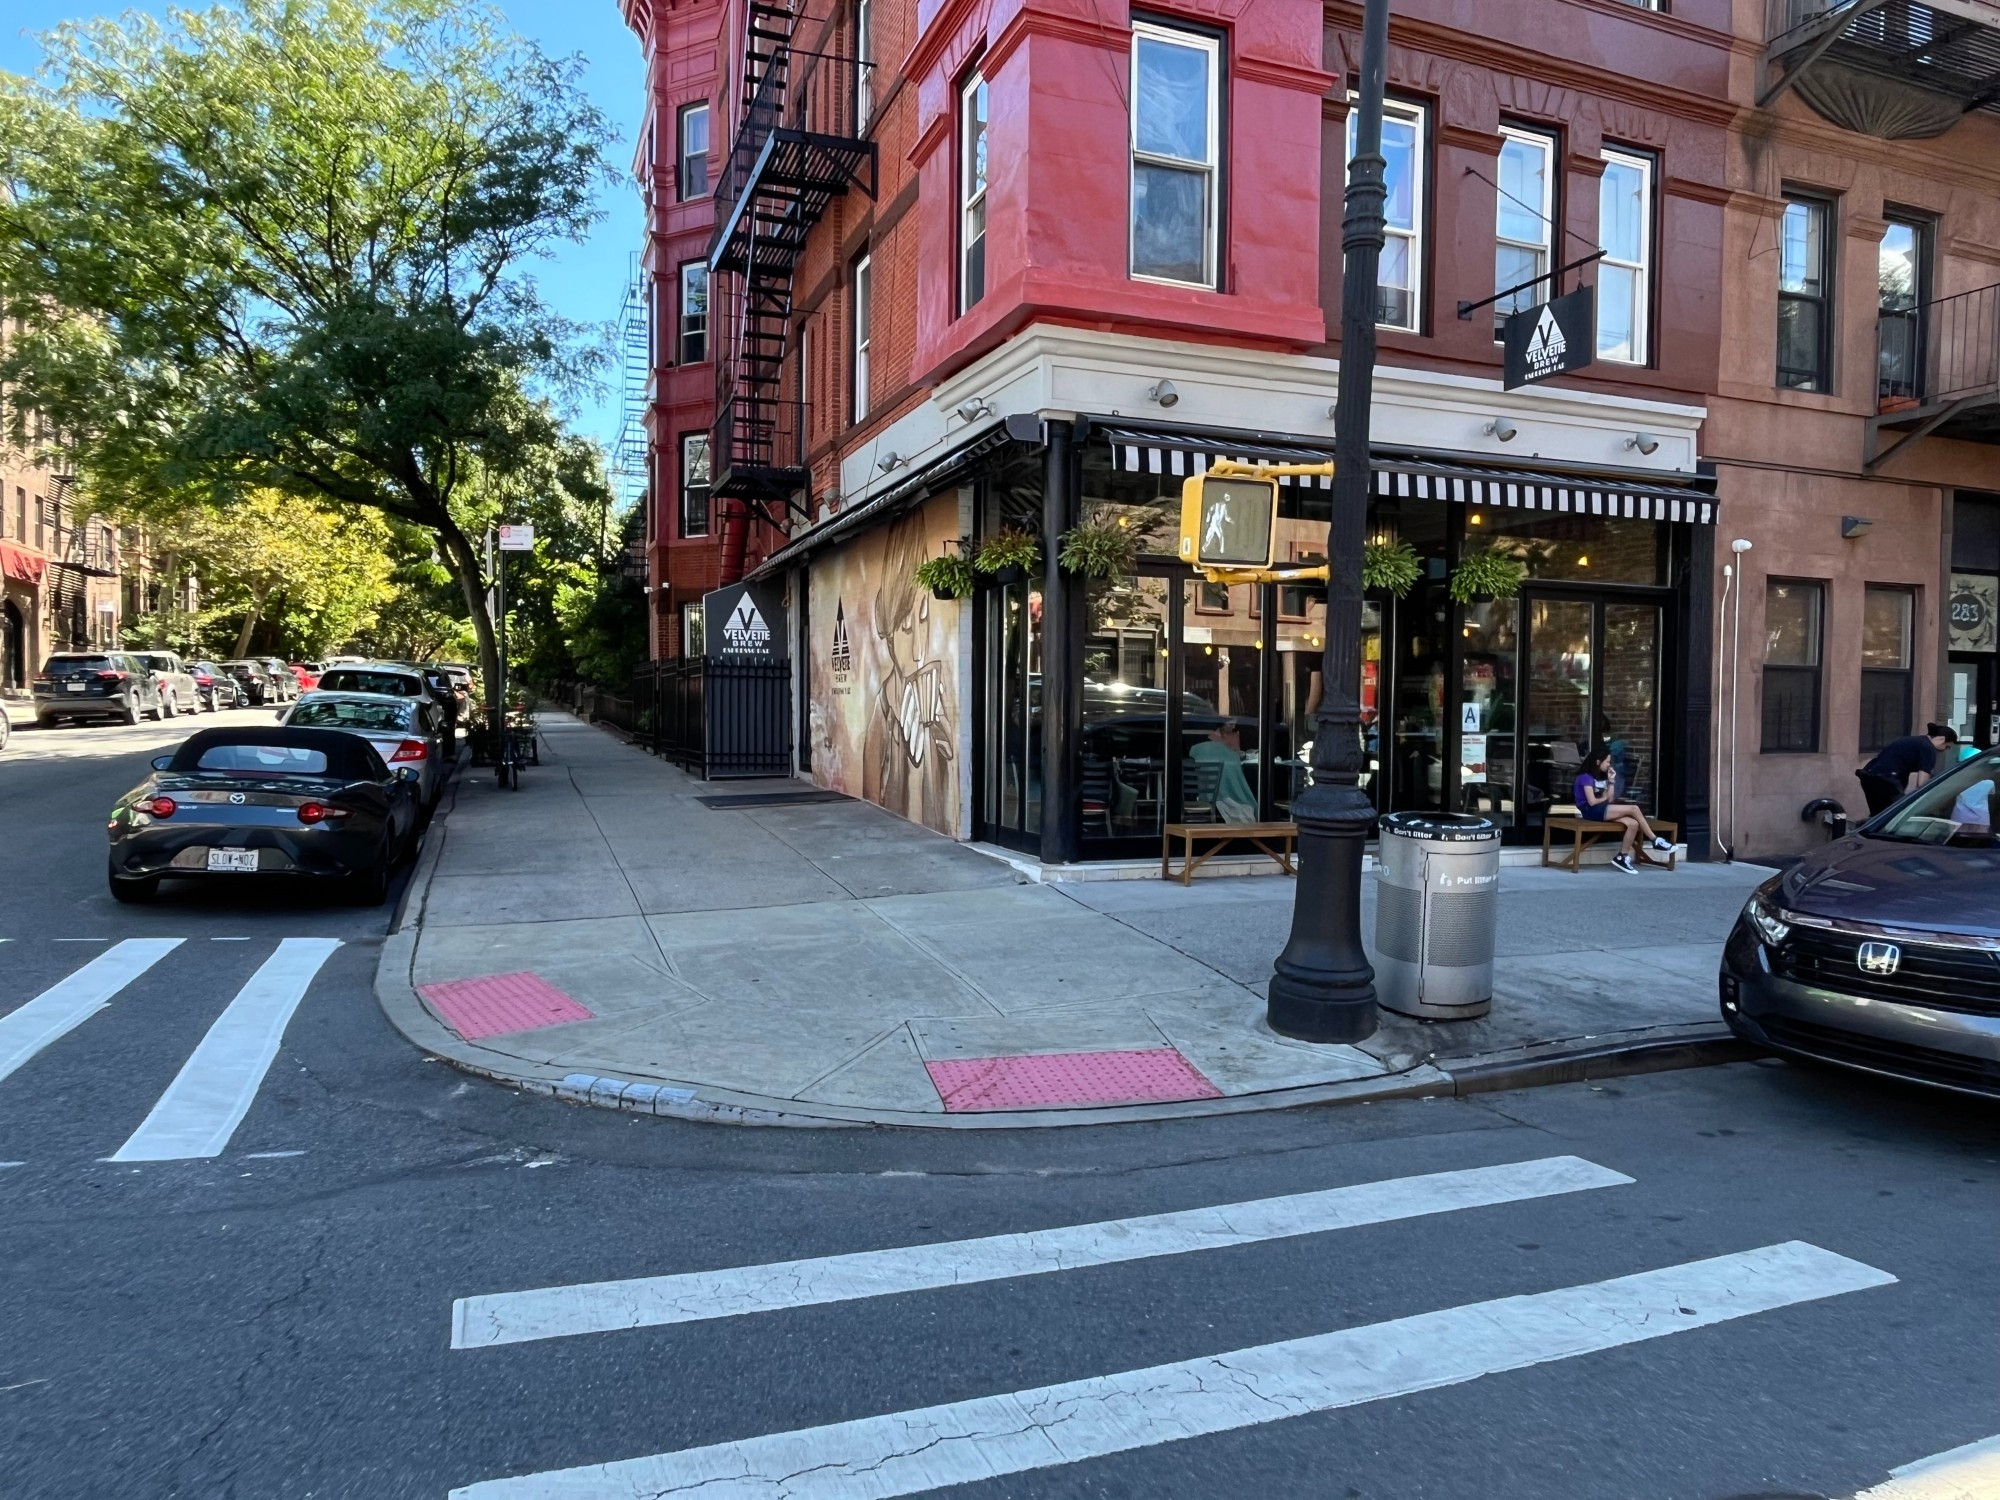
(717, 719)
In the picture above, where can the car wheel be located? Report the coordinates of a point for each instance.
(372, 889)
(6, 730)
(131, 713)
(169, 708)
(134, 891)
(45, 721)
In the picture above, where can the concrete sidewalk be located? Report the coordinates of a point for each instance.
(607, 935)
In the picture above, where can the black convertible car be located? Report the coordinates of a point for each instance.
(296, 803)
(1881, 951)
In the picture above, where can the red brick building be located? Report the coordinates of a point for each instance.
(988, 265)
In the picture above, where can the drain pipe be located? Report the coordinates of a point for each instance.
(1721, 724)
(1740, 546)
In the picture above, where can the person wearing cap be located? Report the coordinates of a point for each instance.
(1902, 764)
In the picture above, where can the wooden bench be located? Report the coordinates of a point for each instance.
(1585, 831)
(1284, 836)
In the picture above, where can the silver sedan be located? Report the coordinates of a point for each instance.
(405, 731)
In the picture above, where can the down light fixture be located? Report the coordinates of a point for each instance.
(890, 460)
(975, 410)
(1163, 392)
(1854, 526)
(1502, 429)
(1645, 442)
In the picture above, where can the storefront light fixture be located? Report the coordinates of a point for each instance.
(1645, 442)
(1502, 429)
(1163, 392)
(890, 460)
(975, 410)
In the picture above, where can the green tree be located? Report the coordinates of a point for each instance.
(284, 245)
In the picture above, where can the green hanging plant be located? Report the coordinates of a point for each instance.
(1007, 549)
(1099, 549)
(1489, 573)
(947, 577)
(1392, 567)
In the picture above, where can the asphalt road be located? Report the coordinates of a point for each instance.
(278, 1319)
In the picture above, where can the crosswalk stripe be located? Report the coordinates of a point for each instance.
(650, 1301)
(213, 1090)
(68, 1003)
(908, 1453)
(1968, 1473)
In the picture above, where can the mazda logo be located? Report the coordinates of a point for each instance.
(235, 796)
(1879, 958)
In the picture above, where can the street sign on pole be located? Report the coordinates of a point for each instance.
(517, 538)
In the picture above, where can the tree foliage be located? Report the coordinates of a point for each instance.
(283, 246)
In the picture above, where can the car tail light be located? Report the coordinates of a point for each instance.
(159, 807)
(112, 676)
(410, 750)
(319, 812)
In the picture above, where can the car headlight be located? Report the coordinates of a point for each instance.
(1769, 926)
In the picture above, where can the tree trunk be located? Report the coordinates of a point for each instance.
(462, 561)
(250, 622)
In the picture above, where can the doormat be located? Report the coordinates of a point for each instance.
(1068, 1080)
(743, 800)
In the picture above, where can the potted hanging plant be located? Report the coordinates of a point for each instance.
(947, 577)
(1490, 573)
(1101, 549)
(1009, 555)
(1390, 567)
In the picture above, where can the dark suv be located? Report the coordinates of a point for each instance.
(83, 685)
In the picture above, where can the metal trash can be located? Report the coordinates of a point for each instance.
(1436, 901)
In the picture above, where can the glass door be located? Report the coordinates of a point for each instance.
(1011, 800)
(1969, 706)
(1593, 679)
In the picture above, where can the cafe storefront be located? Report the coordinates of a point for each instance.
(1194, 702)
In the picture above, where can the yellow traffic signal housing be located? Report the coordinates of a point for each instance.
(1229, 521)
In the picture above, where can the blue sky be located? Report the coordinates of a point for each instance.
(585, 282)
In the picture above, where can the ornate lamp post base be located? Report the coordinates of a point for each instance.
(1324, 988)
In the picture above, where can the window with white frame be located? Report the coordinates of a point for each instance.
(1524, 221)
(1399, 283)
(1176, 122)
(691, 170)
(971, 192)
(694, 484)
(694, 313)
(863, 275)
(1625, 275)
(864, 64)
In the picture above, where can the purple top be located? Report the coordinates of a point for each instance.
(1585, 784)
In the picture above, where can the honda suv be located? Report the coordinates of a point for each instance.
(94, 685)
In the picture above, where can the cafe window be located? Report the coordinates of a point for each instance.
(694, 484)
(1176, 119)
(972, 192)
(1792, 613)
(1805, 302)
(1524, 219)
(1625, 276)
(691, 175)
(1399, 279)
(694, 313)
(1559, 546)
(1887, 624)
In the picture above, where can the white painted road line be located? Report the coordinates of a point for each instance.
(650, 1301)
(213, 1090)
(70, 1002)
(1968, 1473)
(911, 1452)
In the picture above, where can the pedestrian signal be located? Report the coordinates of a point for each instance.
(1228, 522)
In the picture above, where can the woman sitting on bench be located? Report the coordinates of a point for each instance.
(1594, 791)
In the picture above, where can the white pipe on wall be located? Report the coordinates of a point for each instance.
(1740, 546)
(1721, 655)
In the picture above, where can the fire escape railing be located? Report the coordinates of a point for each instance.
(1938, 367)
(1948, 47)
(798, 148)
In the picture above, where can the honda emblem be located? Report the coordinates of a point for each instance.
(1881, 959)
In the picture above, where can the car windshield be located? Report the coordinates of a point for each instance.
(157, 663)
(343, 714)
(353, 680)
(266, 760)
(1956, 807)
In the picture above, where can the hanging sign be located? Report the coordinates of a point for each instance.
(744, 623)
(517, 539)
(1551, 338)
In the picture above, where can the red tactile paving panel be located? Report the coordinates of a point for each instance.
(498, 1003)
(1068, 1080)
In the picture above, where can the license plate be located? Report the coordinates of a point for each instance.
(242, 861)
(76, 687)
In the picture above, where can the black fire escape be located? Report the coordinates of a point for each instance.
(799, 147)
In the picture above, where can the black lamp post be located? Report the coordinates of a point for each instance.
(1324, 988)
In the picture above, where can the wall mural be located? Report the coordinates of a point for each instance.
(885, 691)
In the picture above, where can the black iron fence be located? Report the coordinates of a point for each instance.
(715, 719)
(1940, 351)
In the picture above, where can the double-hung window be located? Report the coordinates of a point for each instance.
(971, 192)
(1524, 222)
(694, 313)
(1625, 275)
(691, 170)
(1887, 626)
(692, 645)
(1793, 609)
(1805, 286)
(1176, 123)
(1399, 292)
(694, 484)
(1902, 288)
(862, 296)
(864, 65)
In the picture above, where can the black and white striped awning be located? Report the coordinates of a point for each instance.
(1406, 476)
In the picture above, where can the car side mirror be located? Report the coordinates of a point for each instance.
(163, 762)
(408, 773)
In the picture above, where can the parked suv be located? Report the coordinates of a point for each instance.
(176, 684)
(283, 678)
(82, 685)
(253, 681)
(217, 688)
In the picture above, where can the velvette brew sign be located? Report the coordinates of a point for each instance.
(744, 623)
(1551, 338)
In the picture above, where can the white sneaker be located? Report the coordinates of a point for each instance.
(1662, 846)
(1624, 862)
